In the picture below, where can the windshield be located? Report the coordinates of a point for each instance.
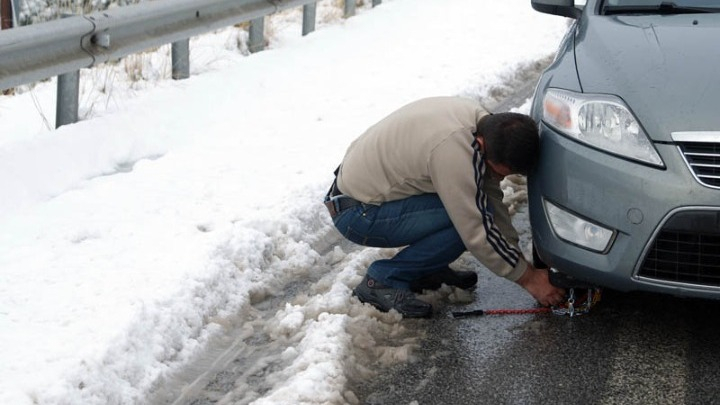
(660, 6)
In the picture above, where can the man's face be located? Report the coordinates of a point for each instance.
(498, 170)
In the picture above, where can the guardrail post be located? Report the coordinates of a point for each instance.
(68, 89)
(15, 4)
(6, 15)
(309, 12)
(68, 95)
(349, 8)
(180, 52)
(376, 2)
(256, 41)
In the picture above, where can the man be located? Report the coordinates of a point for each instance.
(427, 177)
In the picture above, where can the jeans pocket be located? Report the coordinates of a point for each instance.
(357, 223)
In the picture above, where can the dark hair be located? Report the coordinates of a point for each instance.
(510, 139)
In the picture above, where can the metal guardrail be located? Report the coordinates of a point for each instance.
(63, 47)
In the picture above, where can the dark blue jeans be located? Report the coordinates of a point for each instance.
(420, 223)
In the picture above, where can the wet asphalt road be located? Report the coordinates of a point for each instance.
(633, 348)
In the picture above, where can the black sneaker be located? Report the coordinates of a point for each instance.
(454, 278)
(386, 298)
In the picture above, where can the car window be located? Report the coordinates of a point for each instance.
(660, 6)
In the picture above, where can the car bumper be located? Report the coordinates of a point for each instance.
(663, 219)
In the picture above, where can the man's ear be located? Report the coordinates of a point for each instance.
(481, 142)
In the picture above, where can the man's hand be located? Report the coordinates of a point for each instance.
(537, 283)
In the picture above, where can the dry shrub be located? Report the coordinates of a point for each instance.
(133, 66)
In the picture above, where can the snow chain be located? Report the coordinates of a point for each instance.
(578, 304)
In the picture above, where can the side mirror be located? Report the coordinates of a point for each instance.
(565, 8)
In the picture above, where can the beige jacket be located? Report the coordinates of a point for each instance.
(429, 146)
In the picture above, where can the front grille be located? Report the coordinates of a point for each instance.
(704, 161)
(686, 250)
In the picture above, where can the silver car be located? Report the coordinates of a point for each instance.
(627, 193)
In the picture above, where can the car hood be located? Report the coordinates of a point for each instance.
(664, 67)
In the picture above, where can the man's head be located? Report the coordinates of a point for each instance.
(509, 140)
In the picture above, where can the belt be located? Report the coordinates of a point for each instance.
(337, 204)
(336, 201)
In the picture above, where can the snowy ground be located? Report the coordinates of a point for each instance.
(175, 209)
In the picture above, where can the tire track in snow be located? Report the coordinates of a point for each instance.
(300, 324)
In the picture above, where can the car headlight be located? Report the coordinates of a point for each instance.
(599, 120)
(571, 228)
